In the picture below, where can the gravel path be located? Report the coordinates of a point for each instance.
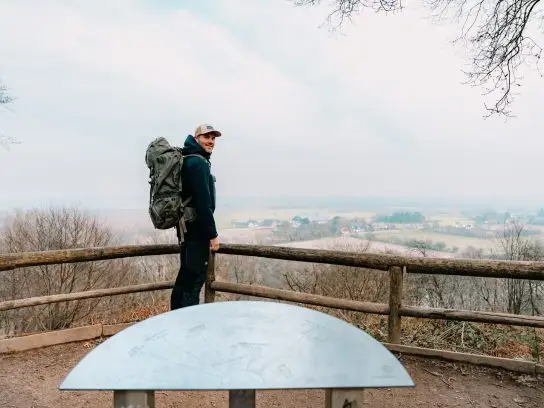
(30, 380)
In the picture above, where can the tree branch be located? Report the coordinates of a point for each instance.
(5, 99)
(495, 30)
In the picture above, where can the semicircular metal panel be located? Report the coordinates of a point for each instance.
(238, 345)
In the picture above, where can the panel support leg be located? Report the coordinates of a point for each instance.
(344, 398)
(242, 399)
(134, 399)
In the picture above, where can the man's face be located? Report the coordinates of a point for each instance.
(206, 141)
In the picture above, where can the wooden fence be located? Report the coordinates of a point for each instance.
(395, 266)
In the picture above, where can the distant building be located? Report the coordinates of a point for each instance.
(295, 224)
(239, 224)
(380, 226)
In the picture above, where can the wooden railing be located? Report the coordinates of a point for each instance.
(396, 266)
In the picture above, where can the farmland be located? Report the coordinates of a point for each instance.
(450, 240)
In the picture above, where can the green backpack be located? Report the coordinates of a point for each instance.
(166, 207)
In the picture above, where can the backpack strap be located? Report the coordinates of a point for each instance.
(198, 155)
(180, 181)
(181, 229)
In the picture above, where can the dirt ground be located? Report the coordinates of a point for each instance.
(30, 380)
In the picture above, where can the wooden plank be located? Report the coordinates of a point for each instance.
(111, 329)
(436, 266)
(43, 300)
(395, 303)
(52, 338)
(519, 366)
(342, 398)
(39, 340)
(209, 292)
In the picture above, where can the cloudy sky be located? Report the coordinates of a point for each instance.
(378, 110)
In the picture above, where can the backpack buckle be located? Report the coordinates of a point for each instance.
(182, 225)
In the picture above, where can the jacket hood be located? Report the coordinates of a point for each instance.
(192, 147)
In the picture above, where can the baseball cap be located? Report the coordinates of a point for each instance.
(203, 129)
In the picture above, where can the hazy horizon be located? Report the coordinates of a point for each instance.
(305, 113)
(338, 203)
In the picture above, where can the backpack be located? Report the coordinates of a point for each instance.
(166, 206)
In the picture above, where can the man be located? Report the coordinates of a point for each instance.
(201, 234)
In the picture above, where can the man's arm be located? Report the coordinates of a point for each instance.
(201, 198)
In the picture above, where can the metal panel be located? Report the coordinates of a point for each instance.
(242, 345)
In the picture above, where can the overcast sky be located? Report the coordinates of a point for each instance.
(378, 111)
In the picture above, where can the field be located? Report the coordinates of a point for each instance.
(225, 219)
(357, 244)
(286, 214)
(244, 235)
(137, 222)
(449, 240)
(448, 219)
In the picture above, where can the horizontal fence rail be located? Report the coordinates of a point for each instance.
(291, 296)
(90, 294)
(395, 266)
(61, 256)
(433, 266)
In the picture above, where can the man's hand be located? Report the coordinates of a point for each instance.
(214, 244)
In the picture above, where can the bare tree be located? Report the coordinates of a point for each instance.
(5, 99)
(523, 296)
(495, 31)
(239, 269)
(515, 245)
(430, 290)
(341, 282)
(154, 269)
(53, 229)
(420, 247)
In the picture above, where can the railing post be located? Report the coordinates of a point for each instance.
(395, 303)
(209, 293)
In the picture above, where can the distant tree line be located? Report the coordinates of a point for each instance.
(538, 219)
(402, 218)
(492, 217)
(306, 230)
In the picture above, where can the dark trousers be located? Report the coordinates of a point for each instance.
(192, 273)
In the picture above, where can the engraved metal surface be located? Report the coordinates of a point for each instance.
(233, 345)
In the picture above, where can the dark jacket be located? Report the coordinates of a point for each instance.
(199, 183)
